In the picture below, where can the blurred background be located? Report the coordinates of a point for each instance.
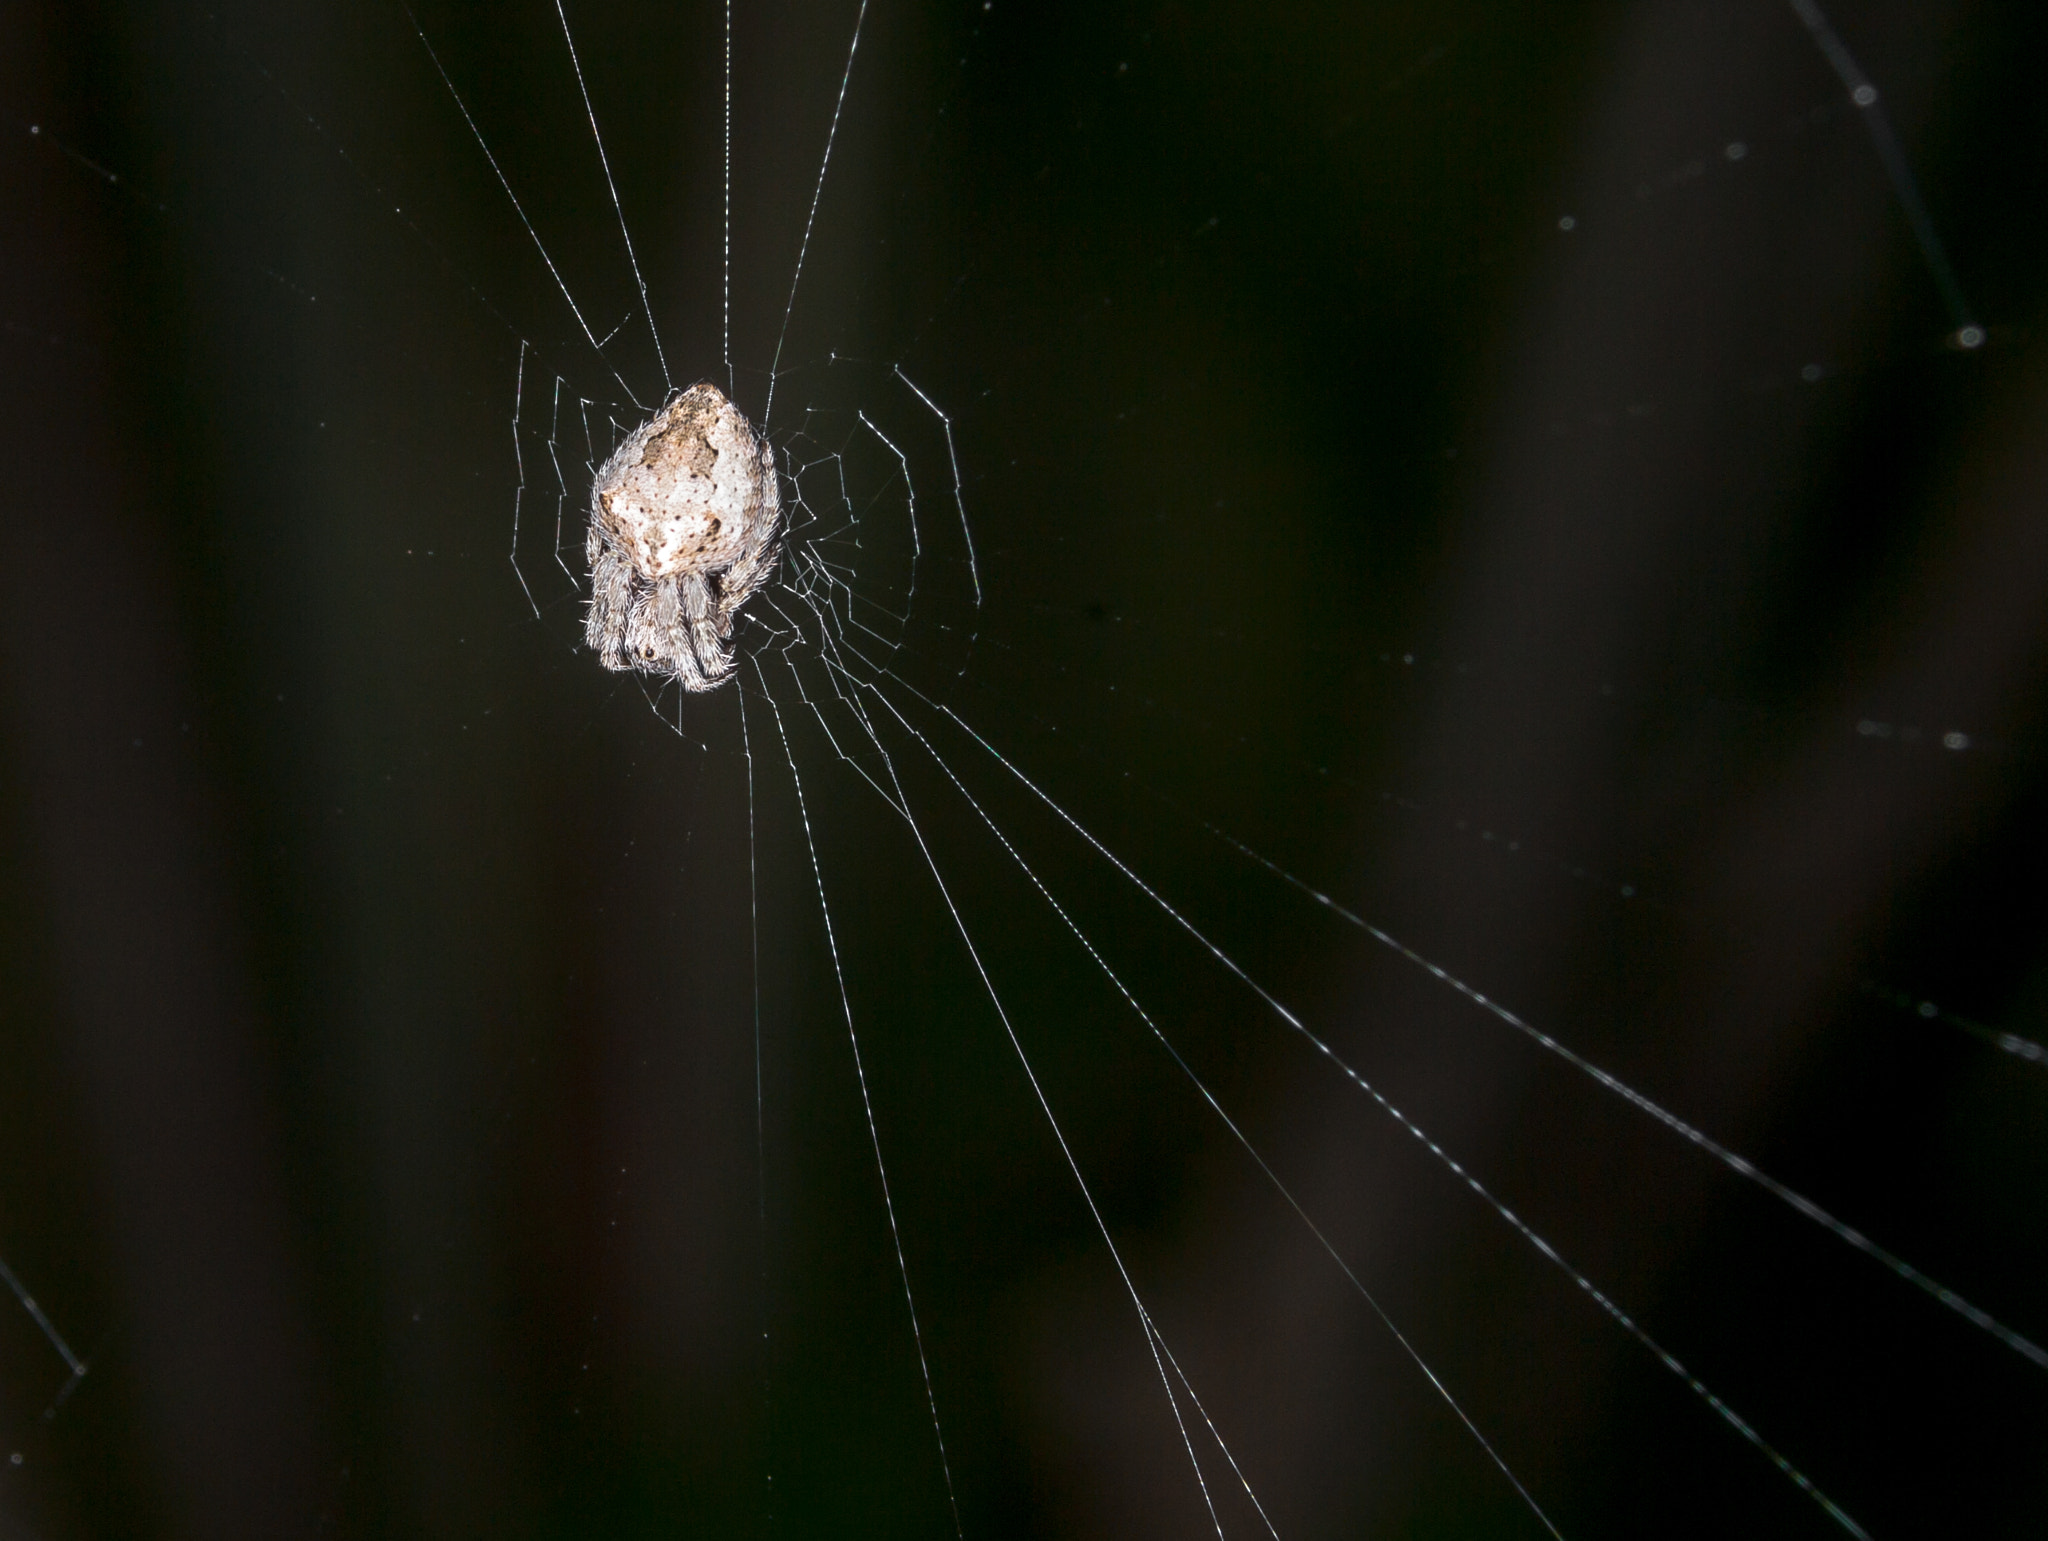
(1562, 483)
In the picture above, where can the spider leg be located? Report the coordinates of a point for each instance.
(607, 621)
(708, 629)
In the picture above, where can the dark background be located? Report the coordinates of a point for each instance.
(1584, 603)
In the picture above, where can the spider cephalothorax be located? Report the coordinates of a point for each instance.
(683, 524)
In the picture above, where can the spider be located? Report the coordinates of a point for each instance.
(683, 524)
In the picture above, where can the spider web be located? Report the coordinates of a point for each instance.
(1357, 877)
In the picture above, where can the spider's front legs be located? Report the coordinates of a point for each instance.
(611, 603)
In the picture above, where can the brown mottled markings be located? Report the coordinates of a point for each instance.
(683, 440)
